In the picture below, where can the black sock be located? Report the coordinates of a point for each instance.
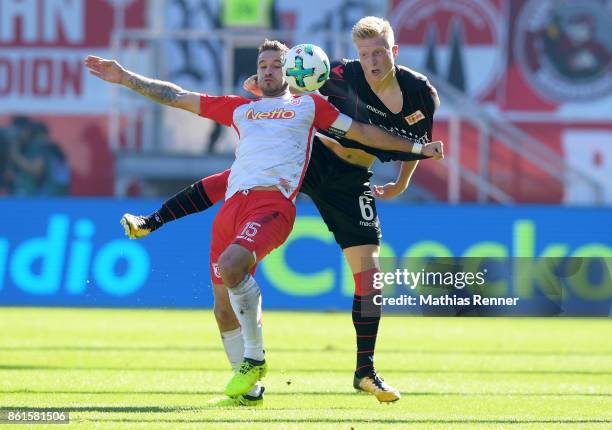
(366, 318)
(190, 200)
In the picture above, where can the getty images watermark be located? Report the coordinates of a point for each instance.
(457, 280)
(490, 286)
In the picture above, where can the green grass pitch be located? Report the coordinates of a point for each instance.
(153, 369)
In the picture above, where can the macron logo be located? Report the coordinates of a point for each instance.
(376, 111)
(278, 113)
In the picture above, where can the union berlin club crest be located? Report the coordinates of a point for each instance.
(564, 48)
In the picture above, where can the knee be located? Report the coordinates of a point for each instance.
(232, 269)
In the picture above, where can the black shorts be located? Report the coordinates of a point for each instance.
(341, 192)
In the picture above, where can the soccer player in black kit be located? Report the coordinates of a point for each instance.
(371, 89)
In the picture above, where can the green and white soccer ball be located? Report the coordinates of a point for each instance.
(306, 67)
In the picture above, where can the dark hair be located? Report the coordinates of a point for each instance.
(273, 45)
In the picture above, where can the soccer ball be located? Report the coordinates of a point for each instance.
(306, 67)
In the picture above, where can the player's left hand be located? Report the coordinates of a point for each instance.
(388, 191)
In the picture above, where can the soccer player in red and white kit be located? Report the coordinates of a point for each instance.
(275, 137)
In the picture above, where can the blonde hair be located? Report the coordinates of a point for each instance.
(373, 26)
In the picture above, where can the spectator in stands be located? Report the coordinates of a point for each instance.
(27, 157)
(57, 173)
(6, 171)
(39, 165)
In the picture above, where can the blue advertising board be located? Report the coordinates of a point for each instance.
(72, 252)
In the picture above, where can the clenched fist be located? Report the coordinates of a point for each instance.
(433, 150)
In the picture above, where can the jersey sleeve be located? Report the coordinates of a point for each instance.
(220, 108)
(327, 117)
(336, 83)
(435, 100)
(429, 94)
(430, 103)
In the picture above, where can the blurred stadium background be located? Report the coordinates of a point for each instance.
(526, 116)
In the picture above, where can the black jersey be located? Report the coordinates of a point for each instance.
(348, 90)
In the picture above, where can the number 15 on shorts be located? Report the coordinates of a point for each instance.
(249, 231)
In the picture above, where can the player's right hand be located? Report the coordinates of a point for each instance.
(433, 150)
(250, 85)
(108, 70)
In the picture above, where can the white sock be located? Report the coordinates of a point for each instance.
(233, 343)
(255, 391)
(246, 302)
(234, 347)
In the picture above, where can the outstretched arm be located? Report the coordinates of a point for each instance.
(327, 117)
(162, 92)
(375, 137)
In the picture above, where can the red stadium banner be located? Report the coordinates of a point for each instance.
(42, 47)
(543, 66)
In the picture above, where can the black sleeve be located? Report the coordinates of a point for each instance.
(431, 103)
(435, 100)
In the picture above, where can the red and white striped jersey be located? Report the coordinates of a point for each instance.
(275, 137)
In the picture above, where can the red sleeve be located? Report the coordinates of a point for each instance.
(325, 112)
(220, 108)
